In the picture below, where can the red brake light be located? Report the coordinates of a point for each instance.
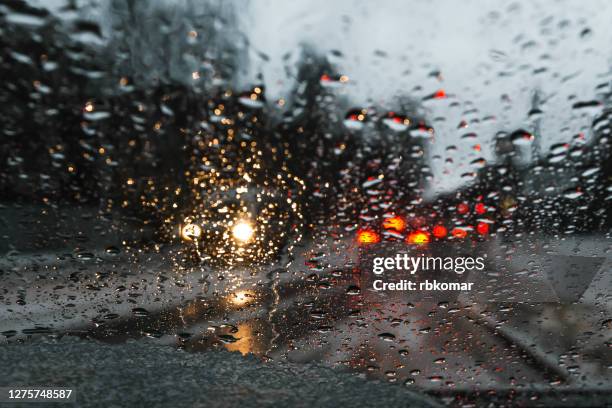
(440, 231)
(418, 237)
(482, 228)
(462, 208)
(459, 233)
(395, 223)
(480, 208)
(367, 237)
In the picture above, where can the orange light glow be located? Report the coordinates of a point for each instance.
(241, 297)
(395, 223)
(459, 233)
(482, 228)
(440, 231)
(367, 237)
(418, 237)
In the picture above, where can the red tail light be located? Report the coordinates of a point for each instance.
(395, 223)
(462, 208)
(480, 208)
(482, 228)
(440, 231)
(418, 237)
(459, 233)
(366, 237)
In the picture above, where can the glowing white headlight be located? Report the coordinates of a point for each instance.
(243, 231)
(190, 231)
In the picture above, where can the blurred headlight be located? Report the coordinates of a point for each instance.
(243, 231)
(190, 232)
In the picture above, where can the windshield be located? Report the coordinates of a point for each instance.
(270, 178)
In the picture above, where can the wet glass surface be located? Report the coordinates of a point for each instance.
(213, 174)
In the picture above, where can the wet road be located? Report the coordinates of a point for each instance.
(314, 309)
(149, 376)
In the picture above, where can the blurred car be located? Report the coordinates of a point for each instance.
(242, 203)
(246, 224)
